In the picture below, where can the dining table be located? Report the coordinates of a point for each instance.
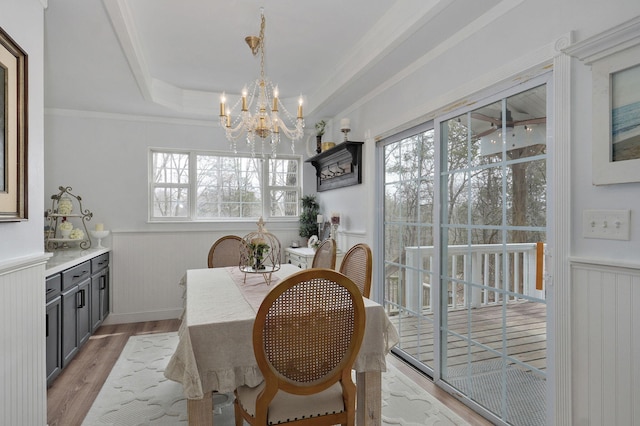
(215, 349)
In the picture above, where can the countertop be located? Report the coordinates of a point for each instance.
(65, 259)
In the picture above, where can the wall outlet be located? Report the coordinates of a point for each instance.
(606, 224)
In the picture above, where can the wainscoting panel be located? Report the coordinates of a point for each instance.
(147, 267)
(23, 383)
(606, 344)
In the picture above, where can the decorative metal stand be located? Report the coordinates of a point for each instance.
(260, 253)
(61, 211)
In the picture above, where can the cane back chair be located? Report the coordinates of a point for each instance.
(357, 265)
(306, 337)
(225, 252)
(325, 256)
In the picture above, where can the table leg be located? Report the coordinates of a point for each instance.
(200, 411)
(369, 398)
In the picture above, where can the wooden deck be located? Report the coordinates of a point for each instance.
(474, 331)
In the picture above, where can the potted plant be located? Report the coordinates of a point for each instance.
(320, 125)
(308, 216)
(259, 249)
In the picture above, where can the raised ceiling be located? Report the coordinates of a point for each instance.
(173, 58)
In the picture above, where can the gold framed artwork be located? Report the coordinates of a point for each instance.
(13, 130)
(616, 118)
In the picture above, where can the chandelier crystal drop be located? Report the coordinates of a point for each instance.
(262, 116)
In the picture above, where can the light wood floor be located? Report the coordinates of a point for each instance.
(71, 395)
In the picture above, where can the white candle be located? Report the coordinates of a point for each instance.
(223, 99)
(244, 98)
(275, 99)
(345, 123)
(99, 227)
(320, 218)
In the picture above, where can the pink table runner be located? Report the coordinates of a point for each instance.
(253, 286)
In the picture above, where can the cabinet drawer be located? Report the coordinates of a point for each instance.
(53, 286)
(299, 261)
(75, 275)
(99, 262)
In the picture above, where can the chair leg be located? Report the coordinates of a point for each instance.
(237, 413)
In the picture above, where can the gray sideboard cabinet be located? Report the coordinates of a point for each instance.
(77, 303)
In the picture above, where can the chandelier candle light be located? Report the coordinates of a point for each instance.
(261, 97)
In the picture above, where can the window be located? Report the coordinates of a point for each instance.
(197, 186)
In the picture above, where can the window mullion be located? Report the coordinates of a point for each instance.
(193, 184)
(266, 190)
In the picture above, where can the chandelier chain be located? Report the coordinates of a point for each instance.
(262, 25)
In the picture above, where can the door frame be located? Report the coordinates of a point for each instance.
(549, 58)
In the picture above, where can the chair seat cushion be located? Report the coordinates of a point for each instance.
(286, 407)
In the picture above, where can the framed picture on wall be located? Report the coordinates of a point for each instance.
(616, 118)
(13, 130)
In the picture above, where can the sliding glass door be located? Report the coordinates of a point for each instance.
(409, 196)
(464, 240)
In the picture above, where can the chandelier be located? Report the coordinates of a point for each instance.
(262, 115)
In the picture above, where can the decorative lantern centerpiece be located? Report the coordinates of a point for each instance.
(260, 253)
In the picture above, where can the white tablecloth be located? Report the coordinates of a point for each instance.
(215, 351)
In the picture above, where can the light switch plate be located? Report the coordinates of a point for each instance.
(606, 224)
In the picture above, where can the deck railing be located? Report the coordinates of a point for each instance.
(477, 275)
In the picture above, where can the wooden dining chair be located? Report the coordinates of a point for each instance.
(306, 337)
(357, 264)
(325, 256)
(225, 252)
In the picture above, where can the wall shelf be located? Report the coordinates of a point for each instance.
(339, 166)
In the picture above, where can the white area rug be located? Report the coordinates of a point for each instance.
(136, 393)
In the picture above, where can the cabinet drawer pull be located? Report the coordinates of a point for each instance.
(80, 299)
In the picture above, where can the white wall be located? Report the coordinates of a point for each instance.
(23, 393)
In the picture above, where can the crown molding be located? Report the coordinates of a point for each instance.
(606, 43)
(61, 112)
